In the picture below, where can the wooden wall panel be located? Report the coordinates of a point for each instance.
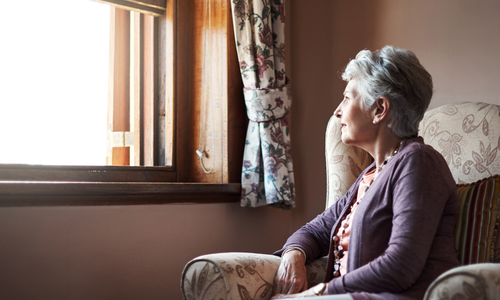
(136, 126)
(194, 87)
(119, 82)
(237, 120)
(121, 156)
(211, 56)
(182, 93)
(149, 72)
(120, 61)
(166, 93)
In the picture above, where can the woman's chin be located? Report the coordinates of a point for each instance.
(345, 140)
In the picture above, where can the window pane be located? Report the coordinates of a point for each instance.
(53, 82)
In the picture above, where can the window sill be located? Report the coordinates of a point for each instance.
(64, 193)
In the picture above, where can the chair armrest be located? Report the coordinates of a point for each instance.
(478, 281)
(231, 275)
(238, 275)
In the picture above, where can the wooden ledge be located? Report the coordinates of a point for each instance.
(64, 193)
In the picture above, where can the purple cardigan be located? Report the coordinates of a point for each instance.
(403, 233)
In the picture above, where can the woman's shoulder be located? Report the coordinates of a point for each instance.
(416, 154)
(417, 147)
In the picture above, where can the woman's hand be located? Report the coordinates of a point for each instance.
(291, 277)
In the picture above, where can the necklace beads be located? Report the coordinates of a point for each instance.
(339, 249)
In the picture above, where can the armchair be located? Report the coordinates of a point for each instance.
(468, 136)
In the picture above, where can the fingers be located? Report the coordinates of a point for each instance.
(297, 285)
(290, 280)
(281, 282)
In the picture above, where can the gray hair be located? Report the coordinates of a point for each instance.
(397, 75)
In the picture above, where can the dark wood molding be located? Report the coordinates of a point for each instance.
(50, 193)
(14, 172)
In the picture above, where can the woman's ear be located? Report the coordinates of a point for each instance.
(381, 110)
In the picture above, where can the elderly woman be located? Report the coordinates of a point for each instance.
(392, 233)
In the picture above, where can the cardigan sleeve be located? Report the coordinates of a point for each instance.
(420, 188)
(314, 237)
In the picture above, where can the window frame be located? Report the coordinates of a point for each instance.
(22, 185)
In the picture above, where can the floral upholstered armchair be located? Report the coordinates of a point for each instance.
(468, 136)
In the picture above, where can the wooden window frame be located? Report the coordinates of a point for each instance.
(173, 88)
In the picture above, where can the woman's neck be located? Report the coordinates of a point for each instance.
(384, 147)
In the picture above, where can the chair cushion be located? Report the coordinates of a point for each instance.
(476, 233)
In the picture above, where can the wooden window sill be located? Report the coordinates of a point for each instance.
(64, 193)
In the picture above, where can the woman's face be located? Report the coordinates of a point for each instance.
(356, 122)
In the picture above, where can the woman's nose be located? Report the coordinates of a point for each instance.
(338, 111)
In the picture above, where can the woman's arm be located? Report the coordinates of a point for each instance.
(314, 241)
(314, 237)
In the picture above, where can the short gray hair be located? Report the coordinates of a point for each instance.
(397, 75)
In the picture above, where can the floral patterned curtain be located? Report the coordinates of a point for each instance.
(267, 173)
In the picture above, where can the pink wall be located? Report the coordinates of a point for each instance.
(138, 252)
(123, 252)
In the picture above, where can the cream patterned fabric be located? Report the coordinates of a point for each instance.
(344, 163)
(468, 136)
(238, 276)
(267, 173)
(475, 282)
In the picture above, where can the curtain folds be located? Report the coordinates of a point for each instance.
(267, 173)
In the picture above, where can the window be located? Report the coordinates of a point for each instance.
(169, 93)
(45, 99)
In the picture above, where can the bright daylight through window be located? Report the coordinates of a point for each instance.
(54, 82)
(100, 103)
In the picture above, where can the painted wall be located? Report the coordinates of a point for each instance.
(123, 252)
(138, 252)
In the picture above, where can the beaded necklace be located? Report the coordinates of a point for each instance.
(339, 250)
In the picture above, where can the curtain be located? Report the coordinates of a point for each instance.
(267, 172)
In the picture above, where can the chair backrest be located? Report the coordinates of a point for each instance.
(344, 163)
(466, 134)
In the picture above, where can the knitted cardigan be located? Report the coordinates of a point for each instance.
(402, 235)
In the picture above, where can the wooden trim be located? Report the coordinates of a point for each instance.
(227, 27)
(149, 72)
(136, 90)
(237, 120)
(119, 85)
(219, 95)
(43, 193)
(121, 156)
(182, 108)
(86, 173)
(150, 7)
(207, 90)
(166, 86)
